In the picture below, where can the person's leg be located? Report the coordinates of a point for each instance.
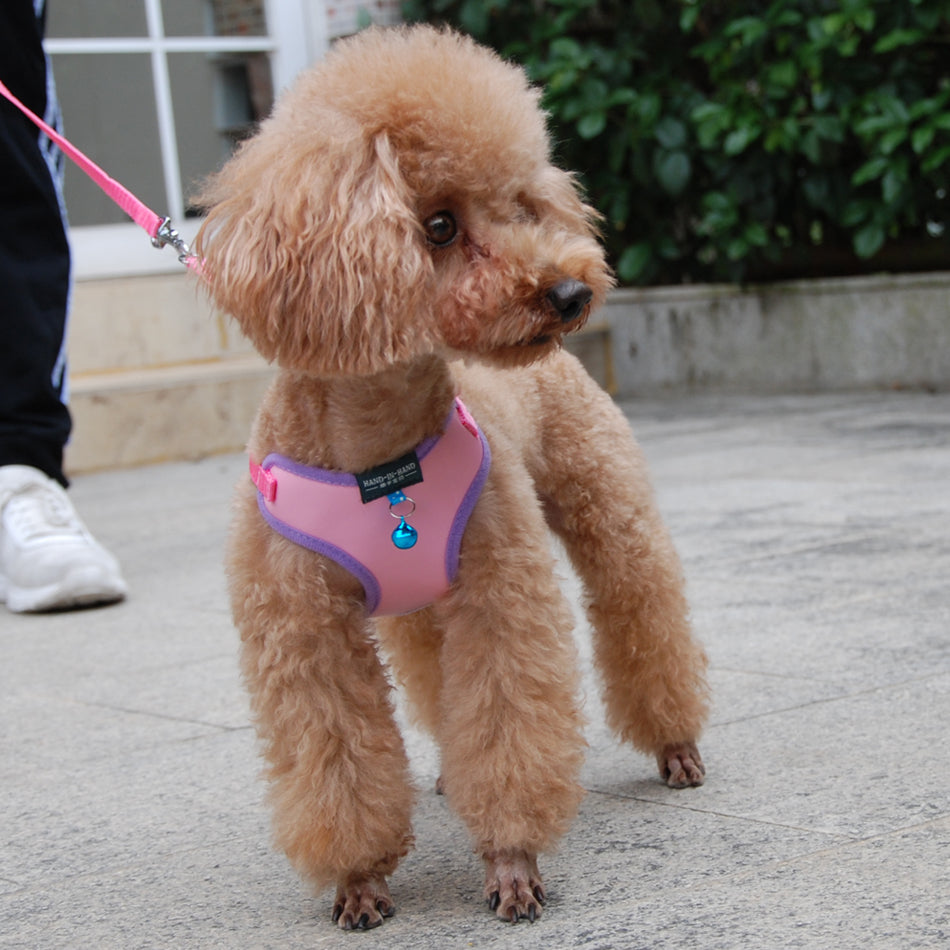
(48, 559)
(34, 258)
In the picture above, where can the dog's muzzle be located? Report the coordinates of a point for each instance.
(569, 298)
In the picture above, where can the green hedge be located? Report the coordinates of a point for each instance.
(740, 140)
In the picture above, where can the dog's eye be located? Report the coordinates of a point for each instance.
(441, 228)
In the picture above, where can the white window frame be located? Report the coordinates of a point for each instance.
(297, 36)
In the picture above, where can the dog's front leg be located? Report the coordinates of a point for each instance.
(600, 502)
(340, 791)
(511, 732)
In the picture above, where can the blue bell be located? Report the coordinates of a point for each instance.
(405, 536)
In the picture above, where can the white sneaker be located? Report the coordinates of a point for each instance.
(48, 558)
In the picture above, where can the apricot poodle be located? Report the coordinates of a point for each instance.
(397, 240)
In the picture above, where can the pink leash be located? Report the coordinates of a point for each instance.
(158, 229)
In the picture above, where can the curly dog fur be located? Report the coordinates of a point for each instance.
(394, 235)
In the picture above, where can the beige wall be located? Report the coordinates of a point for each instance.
(156, 374)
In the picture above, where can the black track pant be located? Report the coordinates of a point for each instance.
(34, 256)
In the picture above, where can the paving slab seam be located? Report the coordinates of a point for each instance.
(745, 819)
(824, 700)
(166, 717)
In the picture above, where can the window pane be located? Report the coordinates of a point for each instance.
(347, 16)
(186, 17)
(108, 108)
(214, 17)
(217, 99)
(83, 18)
(239, 17)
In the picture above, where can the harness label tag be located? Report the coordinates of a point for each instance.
(389, 477)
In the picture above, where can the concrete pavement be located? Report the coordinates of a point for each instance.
(815, 531)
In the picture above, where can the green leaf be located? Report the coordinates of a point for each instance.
(749, 29)
(896, 108)
(707, 111)
(811, 147)
(870, 170)
(787, 18)
(892, 185)
(565, 48)
(897, 38)
(864, 19)
(821, 98)
(739, 140)
(670, 133)
(775, 139)
(688, 17)
(921, 138)
(710, 120)
(591, 125)
(925, 107)
(720, 214)
(623, 96)
(562, 79)
(648, 106)
(873, 124)
(594, 92)
(717, 202)
(756, 234)
(891, 140)
(736, 249)
(855, 213)
(673, 170)
(869, 240)
(936, 160)
(783, 74)
(634, 261)
(834, 23)
(830, 128)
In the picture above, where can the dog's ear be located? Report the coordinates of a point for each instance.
(315, 248)
(562, 196)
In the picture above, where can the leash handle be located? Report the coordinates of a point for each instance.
(158, 228)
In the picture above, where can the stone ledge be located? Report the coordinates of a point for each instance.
(836, 334)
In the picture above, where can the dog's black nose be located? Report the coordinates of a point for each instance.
(569, 298)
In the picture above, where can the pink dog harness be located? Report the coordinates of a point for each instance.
(349, 518)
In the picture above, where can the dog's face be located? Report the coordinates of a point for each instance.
(401, 202)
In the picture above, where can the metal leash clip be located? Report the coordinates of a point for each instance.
(166, 234)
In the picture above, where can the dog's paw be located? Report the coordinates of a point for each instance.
(681, 765)
(362, 902)
(513, 886)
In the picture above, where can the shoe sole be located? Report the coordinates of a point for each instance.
(84, 587)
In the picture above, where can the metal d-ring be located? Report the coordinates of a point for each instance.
(401, 516)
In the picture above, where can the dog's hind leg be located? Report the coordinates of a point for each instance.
(340, 786)
(511, 729)
(599, 501)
